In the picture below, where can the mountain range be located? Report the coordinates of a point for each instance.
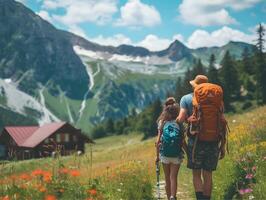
(47, 74)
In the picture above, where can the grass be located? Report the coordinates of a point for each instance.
(122, 165)
(241, 175)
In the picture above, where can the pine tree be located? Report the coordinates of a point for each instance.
(156, 110)
(133, 112)
(198, 69)
(109, 127)
(229, 81)
(247, 66)
(179, 89)
(212, 71)
(186, 85)
(260, 40)
(247, 73)
(261, 66)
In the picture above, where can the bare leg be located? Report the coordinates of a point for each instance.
(166, 169)
(197, 181)
(207, 185)
(173, 177)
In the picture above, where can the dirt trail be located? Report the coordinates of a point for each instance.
(182, 193)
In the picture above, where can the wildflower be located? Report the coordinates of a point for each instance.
(248, 190)
(89, 199)
(241, 191)
(37, 172)
(63, 171)
(42, 189)
(25, 177)
(47, 177)
(5, 198)
(119, 190)
(61, 190)
(92, 192)
(50, 197)
(254, 168)
(249, 176)
(251, 197)
(74, 173)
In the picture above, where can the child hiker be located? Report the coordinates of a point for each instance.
(169, 145)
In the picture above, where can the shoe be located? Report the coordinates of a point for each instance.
(172, 198)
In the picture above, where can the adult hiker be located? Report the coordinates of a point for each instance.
(169, 145)
(203, 110)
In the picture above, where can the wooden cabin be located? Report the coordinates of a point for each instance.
(26, 142)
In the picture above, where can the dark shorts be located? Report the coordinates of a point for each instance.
(206, 155)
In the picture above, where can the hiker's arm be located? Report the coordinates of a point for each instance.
(182, 115)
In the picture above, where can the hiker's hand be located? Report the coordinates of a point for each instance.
(157, 160)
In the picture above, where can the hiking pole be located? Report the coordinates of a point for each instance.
(158, 178)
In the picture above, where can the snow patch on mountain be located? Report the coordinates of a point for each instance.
(98, 55)
(17, 101)
(68, 111)
(92, 75)
(47, 115)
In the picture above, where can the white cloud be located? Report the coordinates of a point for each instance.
(207, 13)
(135, 14)
(77, 30)
(45, 15)
(202, 38)
(154, 43)
(81, 11)
(151, 42)
(22, 1)
(115, 40)
(179, 37)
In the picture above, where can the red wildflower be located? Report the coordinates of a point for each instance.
(74, 173)
(25, 176)
(5, 198)
(37, 172)
(50, 197)
(92, 192)
(42, 189)
(47, 177)
(63, 171)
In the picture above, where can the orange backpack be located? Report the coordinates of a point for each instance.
(207, 120)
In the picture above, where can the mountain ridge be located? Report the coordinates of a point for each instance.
(53, 74)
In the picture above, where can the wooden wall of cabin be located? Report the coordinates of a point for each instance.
(61, 143)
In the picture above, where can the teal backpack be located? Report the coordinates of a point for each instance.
(171, 139)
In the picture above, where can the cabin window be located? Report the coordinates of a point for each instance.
(58, 138)
(66, 137)
(75, 138)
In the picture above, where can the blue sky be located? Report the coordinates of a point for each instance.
(154, 24)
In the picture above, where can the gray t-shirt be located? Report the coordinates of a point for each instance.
(186, 103)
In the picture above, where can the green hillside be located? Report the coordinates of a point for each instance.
(125, 163)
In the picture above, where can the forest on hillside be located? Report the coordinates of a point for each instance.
(243, 82)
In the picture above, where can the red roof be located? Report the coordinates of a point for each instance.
(31, 136)
(21, 134)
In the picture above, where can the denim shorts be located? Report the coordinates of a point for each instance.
(171, 160)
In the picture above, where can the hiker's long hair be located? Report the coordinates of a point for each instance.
(170, 111)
